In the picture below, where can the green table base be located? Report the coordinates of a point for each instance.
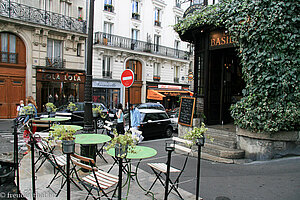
(91, 138)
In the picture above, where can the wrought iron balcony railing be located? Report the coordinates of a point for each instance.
(55, 62)
(136, 45)
(30, 14)
(106, 74)
(6, 57)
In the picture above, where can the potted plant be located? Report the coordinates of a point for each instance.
(71, 107)
(197, 134)
(80, 18)
(27, 110)
(96, 111)
(66, 135)
(123, 144)
(50, 107)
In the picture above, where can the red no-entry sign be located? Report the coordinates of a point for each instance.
(127, 77)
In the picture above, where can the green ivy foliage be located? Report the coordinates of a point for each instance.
(267, 39)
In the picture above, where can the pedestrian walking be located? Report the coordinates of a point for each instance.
(20, 107)
(26, 135)
(135, 118)
(120, 119)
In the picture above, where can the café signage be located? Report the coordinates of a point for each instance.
(219, 40)
(60, 77)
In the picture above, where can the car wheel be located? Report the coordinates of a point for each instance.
(169, 132)
(100, 123)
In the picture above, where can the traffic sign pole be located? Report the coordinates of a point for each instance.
(127, 79)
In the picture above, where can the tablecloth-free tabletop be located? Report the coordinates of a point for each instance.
(54, 119)
(141, 152)
(91, 138)
(76, 127)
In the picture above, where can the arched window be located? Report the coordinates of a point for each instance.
(12, 49)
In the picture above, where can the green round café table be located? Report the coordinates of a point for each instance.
(76, 127)
(141, 152)
(54, 119)
(91, 138)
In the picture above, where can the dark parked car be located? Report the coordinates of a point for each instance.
(78, 115)
(155, 123)
(157, 106)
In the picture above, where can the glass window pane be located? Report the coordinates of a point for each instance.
(4, 47)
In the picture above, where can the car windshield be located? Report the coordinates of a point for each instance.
(151, 106)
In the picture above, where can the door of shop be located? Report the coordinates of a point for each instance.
(12, 90)
(136, 88)
(225, 85)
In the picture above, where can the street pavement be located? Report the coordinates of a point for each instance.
(265, 180)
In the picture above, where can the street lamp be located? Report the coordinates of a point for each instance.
(170, 147)
(87, 150)
(200, 143)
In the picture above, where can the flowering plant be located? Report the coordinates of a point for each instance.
(197, 133)
(51, 107)
(72, 107)
(126, 140)
(60, 132)
(27, 110)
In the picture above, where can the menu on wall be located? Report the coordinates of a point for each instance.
(186, 111)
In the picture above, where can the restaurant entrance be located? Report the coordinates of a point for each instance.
(225, 85)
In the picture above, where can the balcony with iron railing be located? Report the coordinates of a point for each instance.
(106, 74)
(7, 57)
(136, 45)
(57, 63)
(33, 15)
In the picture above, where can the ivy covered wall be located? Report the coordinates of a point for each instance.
(267, 39)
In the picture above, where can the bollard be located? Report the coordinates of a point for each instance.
(199, 143)
(32, 143)
(120, 179)
(170, 147)
(68, 177)
(16, 155)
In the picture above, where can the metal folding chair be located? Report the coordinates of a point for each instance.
(97, 179)
(161, 168)
(59, 163)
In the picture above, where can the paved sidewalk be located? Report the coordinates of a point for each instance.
(45, 174)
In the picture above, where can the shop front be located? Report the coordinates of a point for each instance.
(107, 92)
(218, 81)
(167, 94)
(59, 87)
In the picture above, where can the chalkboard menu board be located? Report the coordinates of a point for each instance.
(186, 111)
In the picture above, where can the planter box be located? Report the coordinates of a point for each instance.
(266, 146)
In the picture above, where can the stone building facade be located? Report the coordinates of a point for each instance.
(138, 34)
(42, 51)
